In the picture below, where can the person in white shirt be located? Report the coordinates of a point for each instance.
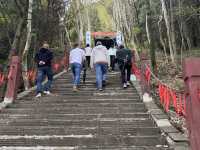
(100, 60)
(112, 53)
(88, 51)
(76, 58)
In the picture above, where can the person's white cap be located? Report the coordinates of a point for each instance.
(98, 43)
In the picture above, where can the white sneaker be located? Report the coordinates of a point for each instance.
(125, 85)
(128, 84)
(47, 92)
(38, 95)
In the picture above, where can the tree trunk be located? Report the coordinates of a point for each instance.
(150, 36)
(161, 37)
(18, 34)
(79, 21)
(68, 37)
(167, 22)
(88, 20)
(173, 34)
(27, 46)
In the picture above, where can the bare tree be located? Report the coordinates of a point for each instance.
(27, 46)
(169, 30)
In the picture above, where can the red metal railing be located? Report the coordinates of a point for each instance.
(183, 103)
(169, 97)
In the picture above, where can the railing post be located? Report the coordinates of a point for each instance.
(192, 82)
(144, 64)
(13, 80)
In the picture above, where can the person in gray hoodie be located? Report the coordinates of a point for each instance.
(100, 60)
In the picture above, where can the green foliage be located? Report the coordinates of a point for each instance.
(104, 18)
(102, 13)
(136, 30)
(44, 3)
(187, 11)
(3, 20)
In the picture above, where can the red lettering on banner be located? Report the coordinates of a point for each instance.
(103, 34)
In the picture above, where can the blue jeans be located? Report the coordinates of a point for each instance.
(41, 74)
(76, 70)
(101, 70)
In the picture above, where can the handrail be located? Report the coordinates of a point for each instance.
(169, 97)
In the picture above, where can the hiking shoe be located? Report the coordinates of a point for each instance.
(38, 95)
(47, 92)
(75, 89)
(103, 83)
(125, 85)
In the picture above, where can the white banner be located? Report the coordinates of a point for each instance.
(88, 37)
(119, 38)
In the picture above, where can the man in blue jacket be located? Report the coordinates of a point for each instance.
(43, 59)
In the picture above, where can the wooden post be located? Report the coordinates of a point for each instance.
(192, 81)
(13, 80)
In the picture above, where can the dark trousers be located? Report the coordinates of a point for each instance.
(125, 72)
(112, 62)
(88, 61)
(41, 74)
(84, 68)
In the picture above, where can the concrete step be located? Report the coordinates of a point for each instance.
(72, 94)
(158, 147)
(96, 94)
(79, 99)
(46, 130)
(93, 90)
(79, 105)
(66, 87)
(88, 141)
(73, 111)
(75, 116)
(79, 123)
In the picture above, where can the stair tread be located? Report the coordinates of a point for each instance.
(113, 119)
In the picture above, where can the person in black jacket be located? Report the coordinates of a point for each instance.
(124, 57)
(43, 59)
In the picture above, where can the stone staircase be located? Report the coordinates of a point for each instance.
(115, 119)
